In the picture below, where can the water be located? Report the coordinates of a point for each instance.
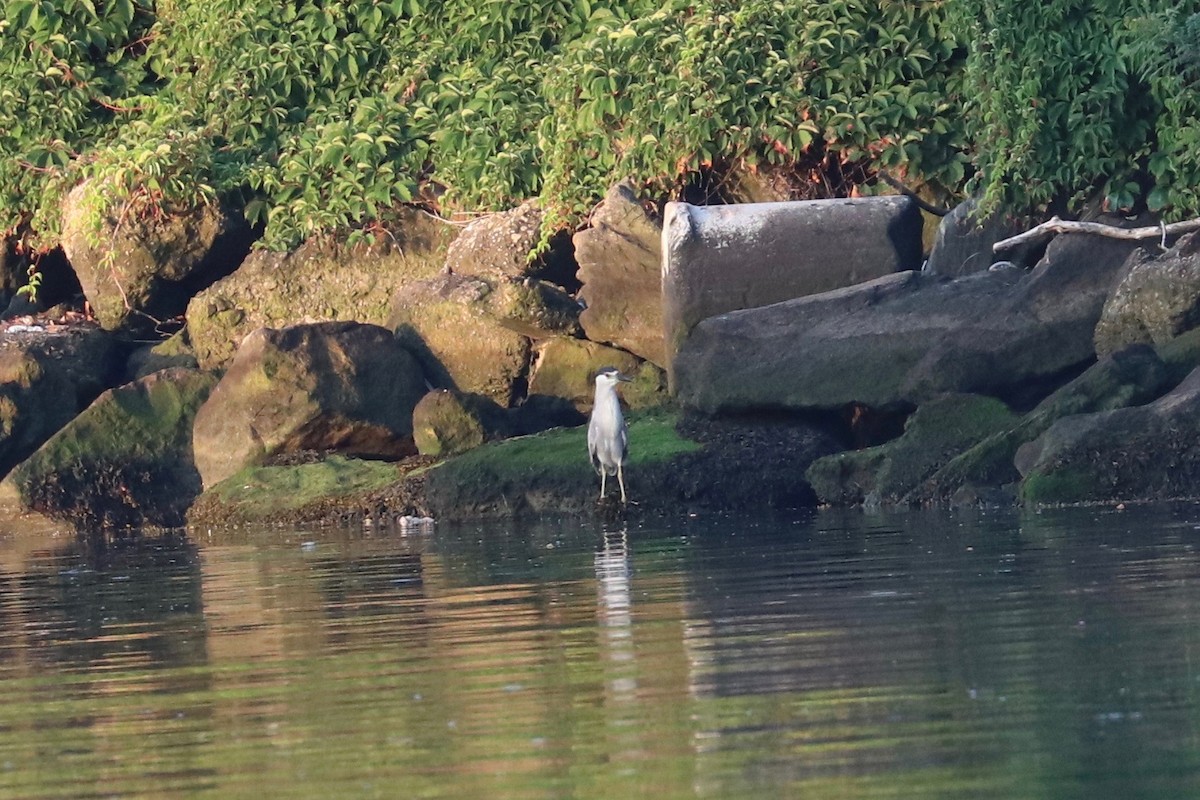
(923, 655)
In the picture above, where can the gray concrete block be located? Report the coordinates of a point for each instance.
(726, 258)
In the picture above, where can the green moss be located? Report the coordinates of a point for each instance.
(263, 493)
(1181, 355)
(444, 425)
(551, 463)
(137, 421)
(936, 433)
(1062, 486)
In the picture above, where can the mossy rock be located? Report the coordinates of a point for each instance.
(546, 471)
(172, 352)
(566, 368)
(445, 322)
(45, 380)
(329, 386)
(936, 432)
(446, 422)
(125, 461)
(291, 493)
(137, 269)
(1138, 454)
(1181, 355)
(534, 308)
(322, 280)
(1127, 377)
(677, 465)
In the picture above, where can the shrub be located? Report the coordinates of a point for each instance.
(320, 115)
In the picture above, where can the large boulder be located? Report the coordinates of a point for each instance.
(566, 368)
(533, 308)
(446, 422)
(1144, 453)
(853, 345)
(136, 269)
(447, 323)
(1128, 377)
(45, 380)
(152, 357)
(1157, 299)
(619, 256)
(724, 258)
(126, 461)
(322, 280)
(498, 246)
(1037, 336)
(936, 432)
(331, 386)
(963, 244)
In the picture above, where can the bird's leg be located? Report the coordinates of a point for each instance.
(602, 474)
(621, 480)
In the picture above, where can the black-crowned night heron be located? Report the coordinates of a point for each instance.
(608, 444)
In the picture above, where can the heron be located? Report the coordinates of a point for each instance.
(608, 444)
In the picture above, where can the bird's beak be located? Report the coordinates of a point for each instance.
(623, 378)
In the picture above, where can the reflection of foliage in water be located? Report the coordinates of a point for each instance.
(835, 655)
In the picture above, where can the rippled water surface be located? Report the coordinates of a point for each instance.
(924, 655)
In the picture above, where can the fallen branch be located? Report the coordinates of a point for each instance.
(1056, 225)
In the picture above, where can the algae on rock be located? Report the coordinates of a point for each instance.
(936, 432)
(322, 280)
(125, 461)
(275, 493)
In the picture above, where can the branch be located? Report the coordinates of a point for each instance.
(911, 193)
(1056, 225)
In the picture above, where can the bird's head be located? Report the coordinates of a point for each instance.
(610, 376)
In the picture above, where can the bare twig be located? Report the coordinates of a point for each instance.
(1055, 225)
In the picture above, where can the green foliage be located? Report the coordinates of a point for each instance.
(1068, 98)
(322, 115)
(67, 73)
(1166, 51)
(757, 83)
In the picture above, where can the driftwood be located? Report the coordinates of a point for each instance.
(1056, 225)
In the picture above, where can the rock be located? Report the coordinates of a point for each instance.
(444, 321)
(126, 461)
(1144, 453)
(724, 258)
(330, 386)
(534, 308)
(852, 345)
(498, 246)
(937, 431)
(333, 490)
(1157, 299)
(1035, 338)
(676, 465)
(322, 280)
(619, 257)
(136, 269)
(540, 412)
(1181, 355)
(173, 352)
(45, 380)
(446, 422)
(566, 368)
(963, 244)
(1128, 377)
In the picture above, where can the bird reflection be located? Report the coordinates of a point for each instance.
(612, 583)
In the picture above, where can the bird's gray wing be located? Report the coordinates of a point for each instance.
(624, 445)
(593, 445)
